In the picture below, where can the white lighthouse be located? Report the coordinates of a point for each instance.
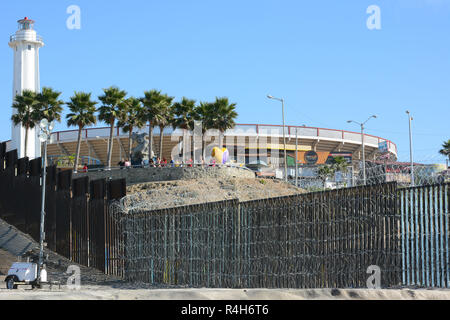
(25, 43)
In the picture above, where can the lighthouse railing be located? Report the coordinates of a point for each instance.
(25, 38)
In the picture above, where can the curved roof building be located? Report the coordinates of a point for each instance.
(252, 141)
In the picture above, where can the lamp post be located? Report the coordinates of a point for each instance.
(44, 136)
(410, 118)
(284, 135)
(363, 144)
(296, 157)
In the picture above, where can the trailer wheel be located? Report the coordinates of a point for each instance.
(10, 284)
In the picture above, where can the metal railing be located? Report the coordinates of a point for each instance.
(37, 38)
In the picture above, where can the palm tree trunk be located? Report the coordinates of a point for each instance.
(221, 137)
(161, 137)
(130, 142)
(77, 155)
(184, 145)
(26, 140)
(203, 147)
(110, 147)
(150, 140)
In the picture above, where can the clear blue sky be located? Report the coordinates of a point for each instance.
(318, 55)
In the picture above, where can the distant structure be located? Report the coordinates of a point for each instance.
(245, 143)
(25, 43)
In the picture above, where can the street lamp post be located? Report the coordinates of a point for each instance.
(410, 118)
(44, 136)
(363, 145)
(296, 157)
(284, 135)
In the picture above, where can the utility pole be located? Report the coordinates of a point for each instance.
(296, 157)
(284, 135)
(363, 145)
(410, 118)
(44, 136)
(363, 154)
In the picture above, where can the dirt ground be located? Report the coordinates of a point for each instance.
(137, 293)
(160, 195)
(6, 259)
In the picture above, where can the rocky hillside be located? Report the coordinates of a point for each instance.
(160, 195)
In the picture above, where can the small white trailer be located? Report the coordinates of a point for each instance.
(25, 273)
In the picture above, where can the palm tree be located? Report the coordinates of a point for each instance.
(130, 118)
(26, 112)
(163, 118)
(325, 172)
(109, 111)
(445, 151)
(50, 107)
(340, 164)
(151, 100)
(204, 112)
(223, 117)
(184, 118)
(82, 115)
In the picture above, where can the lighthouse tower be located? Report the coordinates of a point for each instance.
(25, 43)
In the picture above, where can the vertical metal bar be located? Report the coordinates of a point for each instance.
(190, 250)
(446, 212)
(422, 233)
(426, 212)
(416, 237)
(441, 231)
(402, 217)
(436, 236)
(408, 237)
(166, 260)
(412, 236)
(430, 208)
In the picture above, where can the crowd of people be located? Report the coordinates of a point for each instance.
(161, 163)
(156, 162)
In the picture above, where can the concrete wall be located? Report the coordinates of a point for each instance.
(141, 175)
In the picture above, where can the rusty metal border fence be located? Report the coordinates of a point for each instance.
(321, 240)
(316, 240)
(78, 224)
(425, 235)
(189, 245)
